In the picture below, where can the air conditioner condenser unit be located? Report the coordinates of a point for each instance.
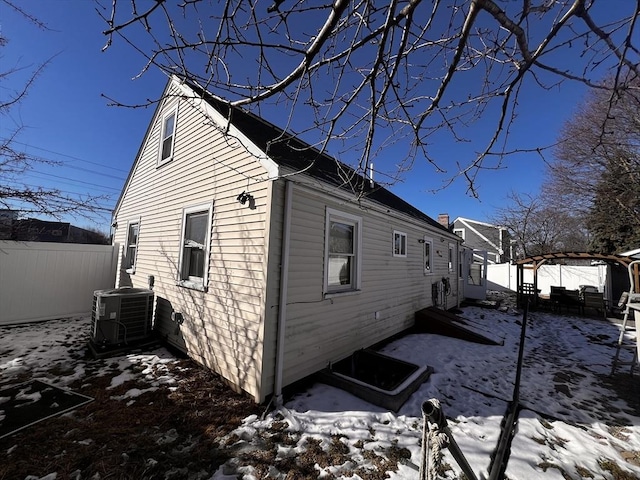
(121, 316)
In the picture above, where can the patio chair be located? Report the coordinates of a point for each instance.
(571, 300)
(555, 296)
(595, 301)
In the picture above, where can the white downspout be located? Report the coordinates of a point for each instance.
(284, 282)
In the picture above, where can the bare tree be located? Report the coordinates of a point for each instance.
(596, 170)
(539, 227)
(602, 136)
(15, 193)
(369, 75)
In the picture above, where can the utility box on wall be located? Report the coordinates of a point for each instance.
(121, 315)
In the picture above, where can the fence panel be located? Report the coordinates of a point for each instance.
(43, 281)
(503, 276)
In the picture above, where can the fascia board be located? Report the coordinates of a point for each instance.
(332, 193)
(467, 220)
(152, 122)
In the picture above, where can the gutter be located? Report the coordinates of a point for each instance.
(284, 285)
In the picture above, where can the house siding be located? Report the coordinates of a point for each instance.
(232, 326)
(321, 330)
(474, 240)
(223, 327)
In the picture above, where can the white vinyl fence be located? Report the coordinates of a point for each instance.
(503, 276)
(43, 281)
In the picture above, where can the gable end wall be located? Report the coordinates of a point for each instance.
(224, 327)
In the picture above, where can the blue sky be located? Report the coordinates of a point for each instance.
(67, 119)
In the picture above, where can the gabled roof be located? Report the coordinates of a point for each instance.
(632, 253)
(478, 222)
(291, 152)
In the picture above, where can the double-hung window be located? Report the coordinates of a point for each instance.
(194, 249)
(133, 232)
(451, 258)
(399, 244)
(168, 136)
(343, 252)
(428, 255)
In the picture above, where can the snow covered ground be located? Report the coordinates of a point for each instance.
(576, 421)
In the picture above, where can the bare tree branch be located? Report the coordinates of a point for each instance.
(16, 162)
(356, 77)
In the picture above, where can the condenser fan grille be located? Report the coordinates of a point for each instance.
(121, 315)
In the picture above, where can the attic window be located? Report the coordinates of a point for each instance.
(167, 139)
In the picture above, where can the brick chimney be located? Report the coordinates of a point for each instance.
(443, 219)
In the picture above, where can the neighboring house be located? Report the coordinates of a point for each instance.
(7, 219)
(36, 230)
(265, 264)
(635, 254)
(485, 236)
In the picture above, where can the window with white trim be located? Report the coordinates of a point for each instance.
(168, 136)
(343, 252)
(451, 258)
(399, 244)
(459, 232)
(194, 246)
(427, 255)
(133, 232)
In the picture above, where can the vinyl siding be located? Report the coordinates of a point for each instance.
(320, 330)
(223, 327)
(475, 241)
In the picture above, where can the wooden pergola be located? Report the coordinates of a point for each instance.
(530, 290)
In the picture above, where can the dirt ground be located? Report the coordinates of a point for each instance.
(164, 434)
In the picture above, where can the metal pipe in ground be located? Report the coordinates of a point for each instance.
(433, 414)
(501, 455)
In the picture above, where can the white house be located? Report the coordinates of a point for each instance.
(265, 265)
(493, 239)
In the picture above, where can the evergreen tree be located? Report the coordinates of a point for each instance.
(612, 220)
